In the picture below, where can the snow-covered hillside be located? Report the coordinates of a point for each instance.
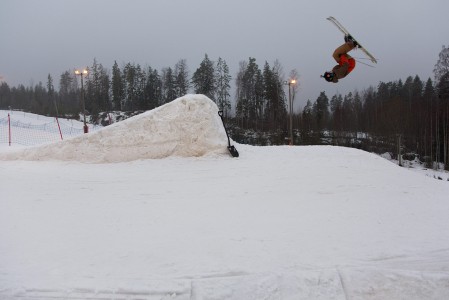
(20, 129)
(317, 222)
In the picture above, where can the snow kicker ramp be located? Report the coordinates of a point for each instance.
(187, 127)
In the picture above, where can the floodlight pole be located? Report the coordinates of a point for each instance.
(290, 103)
(81, 73)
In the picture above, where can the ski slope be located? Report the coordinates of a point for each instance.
(317, 222)
(20, 128)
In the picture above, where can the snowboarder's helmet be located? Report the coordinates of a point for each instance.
(330, 77)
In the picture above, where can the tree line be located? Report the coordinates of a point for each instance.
(131, 87)
(127, 88)
(413, 110)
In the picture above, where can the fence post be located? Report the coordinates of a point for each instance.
(399, 150)
(59, 127)
(9, 129)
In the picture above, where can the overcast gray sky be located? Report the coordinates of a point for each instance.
(52, 36)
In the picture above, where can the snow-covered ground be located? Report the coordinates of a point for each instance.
(317, 222)
(417, 166)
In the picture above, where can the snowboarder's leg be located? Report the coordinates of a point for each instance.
(343, 49)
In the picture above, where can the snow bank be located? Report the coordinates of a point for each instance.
(187, 127)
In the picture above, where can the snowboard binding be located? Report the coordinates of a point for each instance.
(351, 40)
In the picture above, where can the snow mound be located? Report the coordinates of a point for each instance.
(186, 127)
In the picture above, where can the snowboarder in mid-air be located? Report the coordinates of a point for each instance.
(345, 62)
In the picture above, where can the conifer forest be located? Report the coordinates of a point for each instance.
(408, 116)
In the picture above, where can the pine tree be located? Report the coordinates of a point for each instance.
(443, 96)
(259, 100)
(117, 87)
(250, 97)
(203, 79)
(50, 87)
(250, 78)
(51, 93)
(242, 102)
(441, 72)
(39, 100)
(133, 86)
(442, 65)
(273, 84)
(223, 80)
(68, 93)
(416, 108)
(336, 106)
(104, 100)
(321, 111)
(168, 85)
(307, 124)
(358, 107)
(271, 95)
(153, 89)
(97, 87)
(140, 83)
(427, 132)
(181, 76)
(369, 110)
(5, 96)
(129, 86)
(91, 85)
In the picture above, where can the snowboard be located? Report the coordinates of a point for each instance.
(346, 32)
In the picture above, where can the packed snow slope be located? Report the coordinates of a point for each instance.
(187, 126)
(316, 222)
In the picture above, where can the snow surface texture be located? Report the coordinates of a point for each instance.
(317, 222)
(188, 126)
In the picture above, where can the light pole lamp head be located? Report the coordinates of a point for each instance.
(83, 72)
(293, 81)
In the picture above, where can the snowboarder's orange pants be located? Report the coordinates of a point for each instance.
(341, 56)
